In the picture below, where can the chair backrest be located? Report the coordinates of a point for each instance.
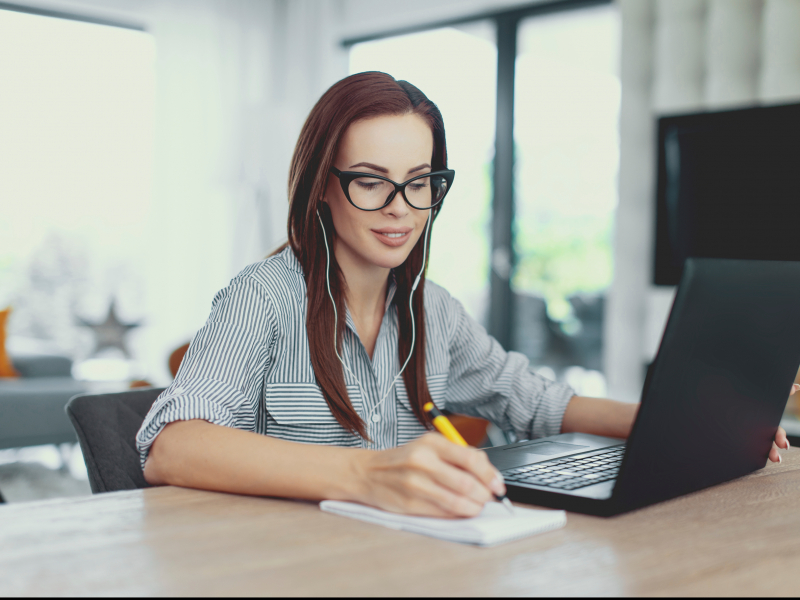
(106, 425)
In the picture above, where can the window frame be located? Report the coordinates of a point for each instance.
(69, 16)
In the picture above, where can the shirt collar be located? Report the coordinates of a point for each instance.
(290, 259)
(288, 256)
(390, 292)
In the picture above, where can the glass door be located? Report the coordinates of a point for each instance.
(567, 95)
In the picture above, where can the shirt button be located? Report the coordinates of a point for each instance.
(376, 417)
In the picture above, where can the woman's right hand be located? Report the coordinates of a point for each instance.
(430, 476)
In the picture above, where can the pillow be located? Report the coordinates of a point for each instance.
(6, 368)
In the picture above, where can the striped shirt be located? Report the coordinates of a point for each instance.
(249, 367)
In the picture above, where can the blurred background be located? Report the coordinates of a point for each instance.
(145, 145)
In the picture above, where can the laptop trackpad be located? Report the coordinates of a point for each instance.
(547, 448)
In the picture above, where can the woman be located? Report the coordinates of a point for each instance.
(308, 379)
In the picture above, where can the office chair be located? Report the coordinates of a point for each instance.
(106, 425)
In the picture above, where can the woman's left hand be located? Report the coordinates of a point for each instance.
(780, 437)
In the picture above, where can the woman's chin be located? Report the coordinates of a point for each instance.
(390, 262)
(389, 258)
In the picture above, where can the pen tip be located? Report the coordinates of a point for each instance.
(508, 505)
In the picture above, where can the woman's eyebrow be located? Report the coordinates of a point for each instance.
(385, 170)
(415, 169)
(370, 166)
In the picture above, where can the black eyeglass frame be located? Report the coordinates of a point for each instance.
(347, 177)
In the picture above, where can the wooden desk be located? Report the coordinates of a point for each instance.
(740, 538)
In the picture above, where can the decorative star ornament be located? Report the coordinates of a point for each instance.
(110, 333)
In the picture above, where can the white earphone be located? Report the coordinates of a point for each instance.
(372, 414)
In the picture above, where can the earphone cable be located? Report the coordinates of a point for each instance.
(335, 312)
(425, 243)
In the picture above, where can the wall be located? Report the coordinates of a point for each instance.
(366, 17)
(680, 56)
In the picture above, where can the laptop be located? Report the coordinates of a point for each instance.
(710, 406)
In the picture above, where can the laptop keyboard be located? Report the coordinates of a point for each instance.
(570, 472)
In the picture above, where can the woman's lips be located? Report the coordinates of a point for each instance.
(393, 236)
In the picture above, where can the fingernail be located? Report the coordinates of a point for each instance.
(788, 445)
(779, 459)
(497, 486)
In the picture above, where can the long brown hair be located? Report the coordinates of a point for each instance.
(360, 96)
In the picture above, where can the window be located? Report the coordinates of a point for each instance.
(566, 161)
(76, 151)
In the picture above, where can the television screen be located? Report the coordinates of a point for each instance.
(728, 186)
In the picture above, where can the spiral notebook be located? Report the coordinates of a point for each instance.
(495, 525)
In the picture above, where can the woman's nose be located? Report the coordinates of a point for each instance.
(397, 207)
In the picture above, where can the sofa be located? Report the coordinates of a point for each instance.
(32, 406)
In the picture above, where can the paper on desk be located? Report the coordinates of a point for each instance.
(493, 526)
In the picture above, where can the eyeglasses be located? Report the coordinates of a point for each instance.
(373, 192)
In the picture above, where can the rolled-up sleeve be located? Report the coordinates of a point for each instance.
(221, 377)
(486, 381)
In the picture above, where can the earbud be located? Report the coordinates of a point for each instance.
(425, 242)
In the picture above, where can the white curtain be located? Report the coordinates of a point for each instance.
(680, 56)
(235, 83)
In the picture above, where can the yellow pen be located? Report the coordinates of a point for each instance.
(445, 427)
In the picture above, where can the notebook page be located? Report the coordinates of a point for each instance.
(495, 525)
